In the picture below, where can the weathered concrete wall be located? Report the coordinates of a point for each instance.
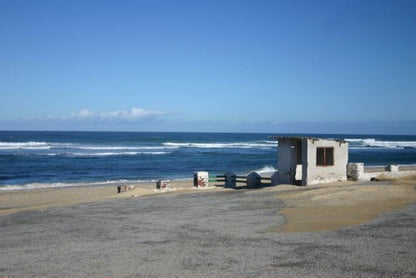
(297, 161)
(313, 173)
(287, 160)
(357, 171)
(283, 162)
(201, 179)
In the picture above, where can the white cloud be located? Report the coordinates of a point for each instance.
(132, 114)
(84, 113)
(121, 115)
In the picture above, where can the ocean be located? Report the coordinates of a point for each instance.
(40, 159)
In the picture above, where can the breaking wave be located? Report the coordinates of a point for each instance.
(358, 143)
(24, 145)
(118, 153)
(266, 170)
(73, 150)
(234, 145)
(164, 146)
(38, 185)
(48, 146)
(111, 148)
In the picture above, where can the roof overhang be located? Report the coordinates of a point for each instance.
(305, 138)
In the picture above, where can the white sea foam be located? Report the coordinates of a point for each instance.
(24, 145)
(118, 153)
(104, 154)
(236, 145)
(354, 140)
(38, 185)
(265, 144)
(48, 145)
(35, 185)
(266, 170)
(371, 142)
(114, 148)
(70, 149)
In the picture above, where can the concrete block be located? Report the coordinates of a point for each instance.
(355, 171)
(124, 188)
(201, 179)
(392, 168)
(162, 184)
(275, 178)
(230, 180)
(253, 180)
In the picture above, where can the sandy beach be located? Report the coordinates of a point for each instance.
(26, 200)
(348, 229)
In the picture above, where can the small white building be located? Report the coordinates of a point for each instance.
(306, 160)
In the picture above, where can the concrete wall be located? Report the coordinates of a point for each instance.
(313, 173)
(357, 171)
(287, 161)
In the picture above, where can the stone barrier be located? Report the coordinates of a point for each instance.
(230, 180)
(392, 168)
(275, 178)
(253, 180)
(162, 184)
(124, 188)
(355, 171)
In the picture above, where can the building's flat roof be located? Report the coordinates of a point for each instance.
(305, 137)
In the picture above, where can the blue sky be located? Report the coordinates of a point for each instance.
(238, 66)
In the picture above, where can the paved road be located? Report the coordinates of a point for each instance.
(212, 234)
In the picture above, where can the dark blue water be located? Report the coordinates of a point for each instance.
(58, 158)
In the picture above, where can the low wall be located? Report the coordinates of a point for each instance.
(357, 171)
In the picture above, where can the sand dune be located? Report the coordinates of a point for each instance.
(338, 205)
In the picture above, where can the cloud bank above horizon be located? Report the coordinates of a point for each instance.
(135, 118)
(140, 119)
(131, 114)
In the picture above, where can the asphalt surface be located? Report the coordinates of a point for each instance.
(208, 234)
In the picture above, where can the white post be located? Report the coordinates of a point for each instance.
(355, 171)
(201, 179)
(392, 168)
(162, 184)
(124, 188)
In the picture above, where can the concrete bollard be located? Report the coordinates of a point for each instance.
(124, 188)
(253, 180)
(162, 184)
(392, 168)
(275, 178)
(230, 180)
(201, 179)
(355, 171)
